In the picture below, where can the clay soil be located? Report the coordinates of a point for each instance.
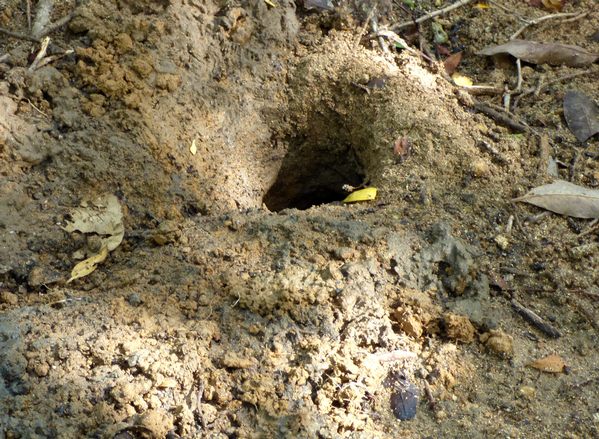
(245, 299)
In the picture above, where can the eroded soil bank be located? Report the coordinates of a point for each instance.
(246, 300)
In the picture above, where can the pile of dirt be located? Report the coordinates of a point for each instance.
(246, 300)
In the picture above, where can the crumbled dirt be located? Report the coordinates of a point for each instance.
(246, 300)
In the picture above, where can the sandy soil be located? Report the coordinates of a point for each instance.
(245, 299)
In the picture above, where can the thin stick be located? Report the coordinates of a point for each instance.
(397, 39)
(398, 27)
(365, 26)
(40, 54)
(587, 293)
(36, 109)
(58, 23)
(18, 35)
(500, 118)
(506, 9)
(593, 225)
(42, 17)
(572, 167)
(536, 91)
(375, 29)
(487, 147)
(575, 16)
(536, 320)
(49, 59)
(519, 80)
(481, 89)
(28, 2)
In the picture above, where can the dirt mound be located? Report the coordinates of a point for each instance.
(246, 300)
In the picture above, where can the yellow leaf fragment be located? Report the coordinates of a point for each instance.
(366, 194)
(482, 6)
(461, 80)
(271, 3)
(88, 266)
(550, 364)
(193, 149)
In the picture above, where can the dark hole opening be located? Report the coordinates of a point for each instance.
(313, 176)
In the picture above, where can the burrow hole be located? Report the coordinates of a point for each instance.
(312, 175)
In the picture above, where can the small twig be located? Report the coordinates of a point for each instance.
(400, 26)
(364, 28)
(375, 29)
(572, 167)
(509, 225)
(574, 15)
(42, 17)
(35, 108)
(533, 219)
(507, 99)
(397, 39)
(500, 118)
(49, 59)
(429, 395)
(506, 9)
(57, 24)
(519, 80)
(487, 147)
(28, 2)
(40, 54)
(593, 225)
(59, 303)
(534, 319)
(544, 154)
(537, 90)
(481, 89)
(514, 271)
(587, 293)
(18, 35)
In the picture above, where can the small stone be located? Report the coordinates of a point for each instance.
(499, 342)
(409, 323)
(480, 168)
(134, 299)
(459, 328)
(502, 242)
(9, 298)
(36, 277)
(528, 392)
(41, 369)
(441, 415)
(167, 383)
(123, 43)
(209, 413)
(231, 359)
(141, 67)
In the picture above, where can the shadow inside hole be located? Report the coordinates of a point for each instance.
(313, 176)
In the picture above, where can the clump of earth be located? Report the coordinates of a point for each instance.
(246, 299)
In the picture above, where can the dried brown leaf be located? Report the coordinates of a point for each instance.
(582, 115)
(565, 198)
(543, 53)
(551, 364)
(452, 62)
(553, 5)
